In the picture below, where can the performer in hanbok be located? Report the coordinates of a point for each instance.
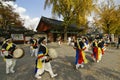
(96, 51)
(33, 46)
(101, 44)
(7, 51)
(86, 43)
(43, 60)
(80, 54)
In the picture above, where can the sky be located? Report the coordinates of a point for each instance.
(32, 10)
(35, 8)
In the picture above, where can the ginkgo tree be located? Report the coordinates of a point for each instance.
(72, 11)
(118, 21)
(108, 18)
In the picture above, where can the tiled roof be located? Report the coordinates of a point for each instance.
(57, 24)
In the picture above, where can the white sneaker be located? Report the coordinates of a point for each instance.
(54, 75)
(37, 76)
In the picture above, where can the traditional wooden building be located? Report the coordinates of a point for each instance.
(53, 28)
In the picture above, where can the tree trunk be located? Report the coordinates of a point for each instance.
(65, 34)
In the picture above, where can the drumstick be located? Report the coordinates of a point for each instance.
(9, 53)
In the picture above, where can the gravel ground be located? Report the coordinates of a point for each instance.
(107, 69)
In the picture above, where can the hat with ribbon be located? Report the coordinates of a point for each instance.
(41, 39)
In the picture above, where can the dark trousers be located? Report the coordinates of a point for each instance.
(118, 45)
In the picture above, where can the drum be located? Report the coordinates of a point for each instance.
(18, 53)
(52, 53)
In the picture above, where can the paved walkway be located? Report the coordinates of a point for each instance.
(107, 69)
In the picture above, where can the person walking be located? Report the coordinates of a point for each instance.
(59, 40)
(118, 43)
(33, 46)
(80, 54)
(43, 60)
(8, 48)
(69, 40)
(97, 53)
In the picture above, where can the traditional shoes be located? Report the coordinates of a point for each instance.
(11, 71)
(79, 65)
(38, 76)
(54, 75)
